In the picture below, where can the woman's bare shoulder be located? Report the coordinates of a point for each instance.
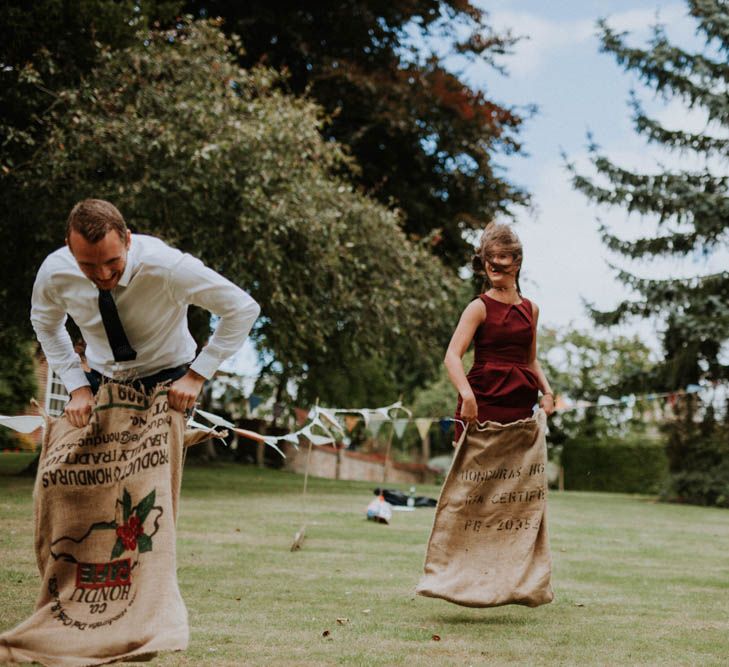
(534, 306)
(475, 310)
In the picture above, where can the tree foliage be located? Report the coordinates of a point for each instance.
(423, 138)
(698, 454)
(222, 163)
(46, 46)
(691, 207)
(585, 367)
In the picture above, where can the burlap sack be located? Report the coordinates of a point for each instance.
(489, 543)
(105, 509)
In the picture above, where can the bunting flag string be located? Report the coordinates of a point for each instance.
(335, 423)
(310, 419)
(565, 404)
(217, 420)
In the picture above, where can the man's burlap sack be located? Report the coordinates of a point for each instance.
(489, 543)
(105, 508)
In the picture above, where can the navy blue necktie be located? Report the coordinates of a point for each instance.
(120, 347)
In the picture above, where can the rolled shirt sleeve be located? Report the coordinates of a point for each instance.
(48, 318)
(191, 282)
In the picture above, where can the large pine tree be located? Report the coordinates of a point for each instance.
(690, 205)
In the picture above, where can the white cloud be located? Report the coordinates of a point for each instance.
(541, 36)
(544, 36)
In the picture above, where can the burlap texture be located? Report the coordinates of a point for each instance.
(105, 501)
(489, 544)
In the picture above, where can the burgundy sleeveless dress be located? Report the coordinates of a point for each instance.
(505, 388)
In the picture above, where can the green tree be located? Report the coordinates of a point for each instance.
(46, 46)
(222, 163)
(691, 207)
(424, 140)
(585, 367)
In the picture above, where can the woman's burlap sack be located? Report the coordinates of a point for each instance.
(489, 544)
(105, 509)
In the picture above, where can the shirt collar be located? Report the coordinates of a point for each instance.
(131, 266)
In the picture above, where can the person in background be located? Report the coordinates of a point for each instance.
(129, 294)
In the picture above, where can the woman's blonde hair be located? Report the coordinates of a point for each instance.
(503, 236)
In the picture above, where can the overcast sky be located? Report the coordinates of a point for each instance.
(559, 67)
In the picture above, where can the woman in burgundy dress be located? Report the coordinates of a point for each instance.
(505, 380)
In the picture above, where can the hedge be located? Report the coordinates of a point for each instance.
(627, 467)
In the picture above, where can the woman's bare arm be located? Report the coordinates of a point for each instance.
(547, 400)
(472, 317)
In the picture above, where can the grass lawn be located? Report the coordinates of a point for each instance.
(636, 582)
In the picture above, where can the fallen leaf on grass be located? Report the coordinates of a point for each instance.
(342, 621)
(579, 604)
(326, 633)
(436, 638)
(366, 611)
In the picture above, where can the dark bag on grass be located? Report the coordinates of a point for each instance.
(105, 503)
(398, 498)
(489, 543)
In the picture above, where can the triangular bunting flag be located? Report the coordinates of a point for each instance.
(254, 401)
(350, 422)
(331, 419)
(399, 425)
(423, 426)
(23, 423)
(293, 438)
(203, 427)
(445, 424)
(376, 422)
(214, 419)
(271, 442)
(324, 427)
(319, 439)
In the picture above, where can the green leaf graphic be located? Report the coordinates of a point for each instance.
(126, 505)
(144, 543)
(118, 549)
(145, 506)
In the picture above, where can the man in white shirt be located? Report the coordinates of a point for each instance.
(129, 294)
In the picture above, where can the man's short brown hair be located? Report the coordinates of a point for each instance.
(94, 219)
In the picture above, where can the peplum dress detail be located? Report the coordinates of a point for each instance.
(506, 389)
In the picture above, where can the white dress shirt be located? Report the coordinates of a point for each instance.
(152, 296)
